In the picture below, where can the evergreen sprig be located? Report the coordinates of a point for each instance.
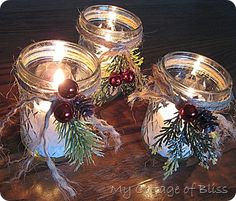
(140, 79)
(105, 92)
(80, 142)
(136, 57)
(120, 63)
(202, 145)
(174, 154)
(178, 133)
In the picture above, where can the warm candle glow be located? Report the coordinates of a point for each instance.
(59, 51)
(110, 24)
(111, 19)
(58, 78)
(197, 65)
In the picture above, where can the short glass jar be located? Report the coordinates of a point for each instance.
(194, 78)
(104, 29)
(40, 68)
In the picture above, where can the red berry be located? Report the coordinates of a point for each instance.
(64, 112)
(188, 112)
(115, 79)
(128, 76)
(68, 89)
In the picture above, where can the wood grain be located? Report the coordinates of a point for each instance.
(207, 27)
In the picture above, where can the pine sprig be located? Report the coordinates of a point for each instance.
(178, 133)
(169, 132)
(80, 142)
(105, 92)
(136, 57)
(140, 79)
(201, 145)
(174, 154)
(127, 89)
(117, 64)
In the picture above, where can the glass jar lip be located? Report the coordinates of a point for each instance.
(186, 54)
(112, 7)
(71, 44)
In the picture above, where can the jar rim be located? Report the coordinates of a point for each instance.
(21, 67)
(112, 7)
(186, 54)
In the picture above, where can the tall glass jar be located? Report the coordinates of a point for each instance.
(40, 68)
(104, 29)
(193, 78)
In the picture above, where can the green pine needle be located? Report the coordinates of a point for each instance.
(120, 63)
(80, 142)
(175, 134)
(106, 92)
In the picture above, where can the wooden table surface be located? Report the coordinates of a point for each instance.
(207, 27)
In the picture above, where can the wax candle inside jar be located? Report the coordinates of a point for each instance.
(193, 78)
(53, 72)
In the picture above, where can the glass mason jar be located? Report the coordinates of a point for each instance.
(40, 68)
(194, 78)
(105, 28)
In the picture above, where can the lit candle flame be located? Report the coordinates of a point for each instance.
(58, 78)
(59, 51)
(111, 20)
(111, 24)
(197, 65)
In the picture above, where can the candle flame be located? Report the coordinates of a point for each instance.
(111, 20)
(111, 24)
(59, 51)
(197, 65)
(58, 78)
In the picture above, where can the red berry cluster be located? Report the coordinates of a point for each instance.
(116, 79)
(72, 103)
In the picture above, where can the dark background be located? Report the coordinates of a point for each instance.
(206, 27)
